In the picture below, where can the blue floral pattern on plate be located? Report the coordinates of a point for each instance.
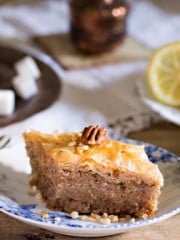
(169, 164)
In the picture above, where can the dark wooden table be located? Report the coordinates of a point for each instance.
(163, 134)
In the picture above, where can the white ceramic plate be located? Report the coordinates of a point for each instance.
(170, 113)
(15, 201)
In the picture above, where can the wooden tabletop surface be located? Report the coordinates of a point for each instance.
(163, 134)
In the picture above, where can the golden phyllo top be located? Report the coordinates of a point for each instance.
(92, 149)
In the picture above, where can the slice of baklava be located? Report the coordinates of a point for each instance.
(88, 172)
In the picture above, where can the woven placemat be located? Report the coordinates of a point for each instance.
(62, 49)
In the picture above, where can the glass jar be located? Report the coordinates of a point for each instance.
(97, 26)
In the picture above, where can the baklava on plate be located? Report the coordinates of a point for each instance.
(89, 173)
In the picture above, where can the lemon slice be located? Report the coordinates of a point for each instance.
(163, 74)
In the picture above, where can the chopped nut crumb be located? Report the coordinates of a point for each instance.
(79, 134)
(33, 191)
(105, 221)
(39, 197)
(114, 218)
(74, 214)
(44, 214)
(57, 219)
(132, 220)
(34, 188)
(80, 150)
(105, 215)
(145, 216)
(71, 144)
(95, 216)
(91, 219)
(84, 217)
(85, 147)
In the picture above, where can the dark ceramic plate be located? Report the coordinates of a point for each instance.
(49, 83)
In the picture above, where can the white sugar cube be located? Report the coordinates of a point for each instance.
(25, 86)
(7, 102)
(27, 66)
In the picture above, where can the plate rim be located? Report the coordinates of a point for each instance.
(123, 226)
(37, 53)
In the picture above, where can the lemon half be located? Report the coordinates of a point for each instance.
(163, 74)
